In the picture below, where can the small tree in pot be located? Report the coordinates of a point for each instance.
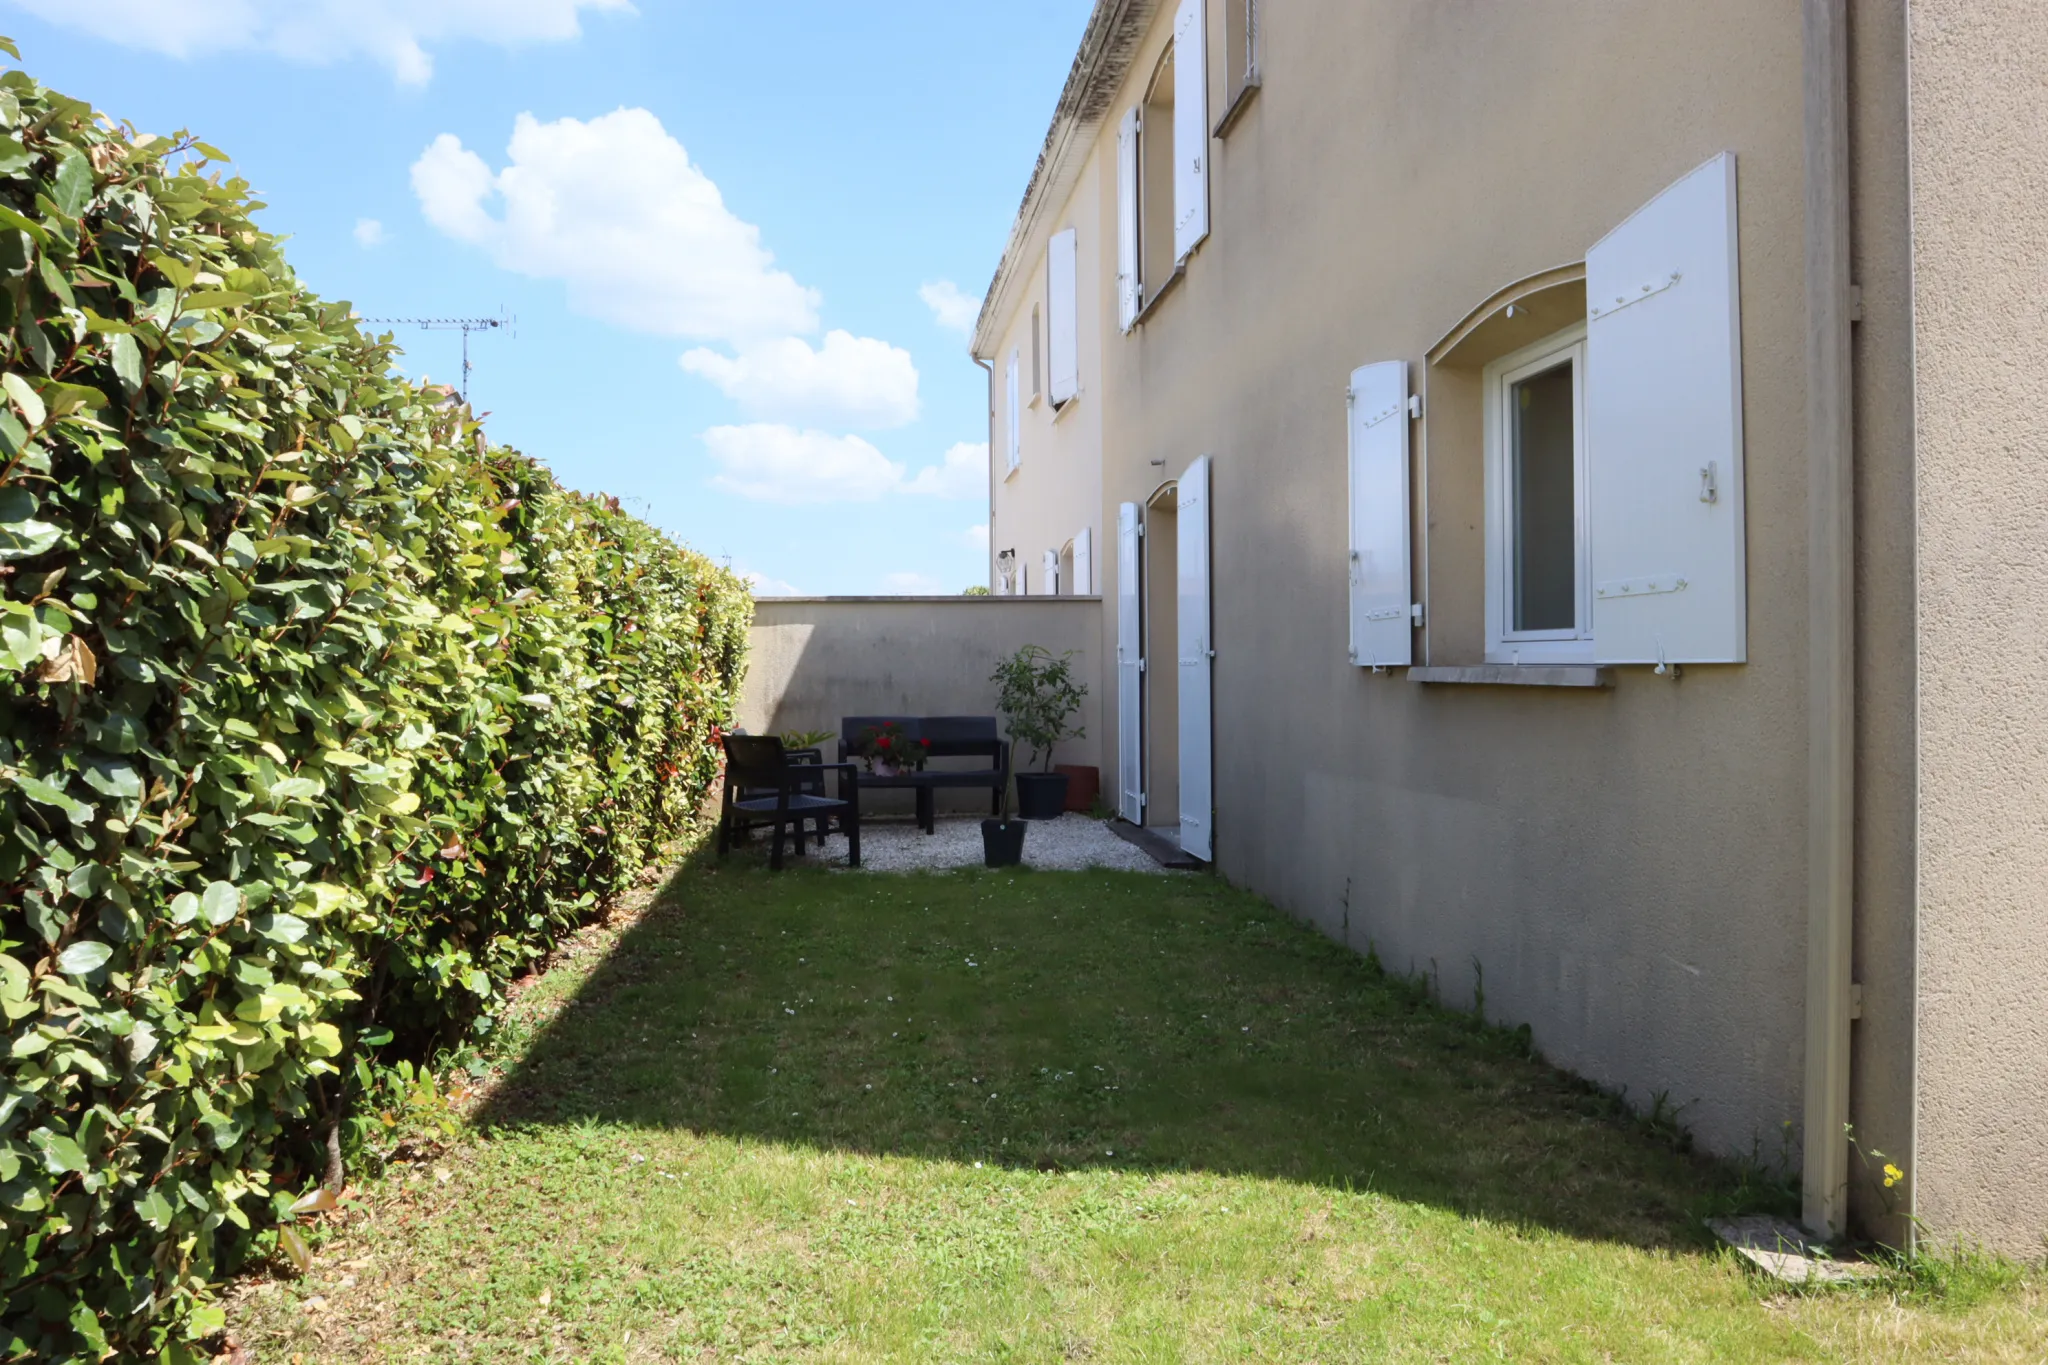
(1039, 697)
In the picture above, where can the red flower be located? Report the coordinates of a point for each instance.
(927, 743)
(882, 742)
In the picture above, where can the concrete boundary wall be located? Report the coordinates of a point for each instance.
(816, 659)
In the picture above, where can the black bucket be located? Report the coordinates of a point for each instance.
(1002, 842)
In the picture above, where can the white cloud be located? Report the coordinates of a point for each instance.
(851, 382)
(765, 586)
(767, 462)
(770, 463)
(963, 473)
(370, 233)
(951, 309)
(615, 209)
(395, 33)
(914, 584)
(976, 537)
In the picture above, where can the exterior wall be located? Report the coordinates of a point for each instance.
(1979, 138)
(1057, 488)
(1627, 866)
(816, 659)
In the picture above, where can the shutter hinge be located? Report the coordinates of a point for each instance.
(1856, 1000)
(1855, 303)
(1415, 406)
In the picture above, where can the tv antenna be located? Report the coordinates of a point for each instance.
(462, 325)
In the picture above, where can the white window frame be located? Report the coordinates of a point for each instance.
(1505, 646)
(1014, 418)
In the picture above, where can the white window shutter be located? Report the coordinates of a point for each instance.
(1084, 563)
(1664, 429)
(1190, 127)
(1128, 286)
(1052, 573)
(1130, 671)
(1014, 449)
(1382, 635)
(1062, 310)
(1197, 735)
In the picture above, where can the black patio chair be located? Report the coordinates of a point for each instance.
(812, 784)
(763, 787)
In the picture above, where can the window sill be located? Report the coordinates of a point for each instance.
(1517, 675)
(1011, 472)
(1237, 108)
(1060, 410)
(1160, 294)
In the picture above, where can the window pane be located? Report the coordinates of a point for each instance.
(1543, 517)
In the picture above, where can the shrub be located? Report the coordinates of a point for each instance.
(1038, 694)
(320, 720)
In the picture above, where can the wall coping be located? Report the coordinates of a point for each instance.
(956, 599)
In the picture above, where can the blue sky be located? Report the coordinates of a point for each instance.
(726, 230)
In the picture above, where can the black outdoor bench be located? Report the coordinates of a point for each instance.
(944, 737)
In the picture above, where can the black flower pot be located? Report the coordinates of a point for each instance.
(1041, 796)
(1002, 842)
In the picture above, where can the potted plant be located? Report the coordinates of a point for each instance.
(1002, 841)
(1038, 696)
(888, 751)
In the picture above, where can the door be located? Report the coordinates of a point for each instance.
(1130, 671)
(1197, 760)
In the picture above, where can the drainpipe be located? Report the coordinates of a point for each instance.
(1831, 624)
(989, 368)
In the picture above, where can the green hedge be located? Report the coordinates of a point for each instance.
(320, 720)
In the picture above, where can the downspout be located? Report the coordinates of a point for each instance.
(1831, 623)
(989, 368)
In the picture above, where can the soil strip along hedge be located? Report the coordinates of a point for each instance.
(320, 720)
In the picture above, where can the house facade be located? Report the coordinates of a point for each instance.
(1562, 481)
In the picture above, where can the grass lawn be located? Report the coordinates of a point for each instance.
(1049, 1117)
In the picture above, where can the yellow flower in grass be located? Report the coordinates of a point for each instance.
(1892, 1175)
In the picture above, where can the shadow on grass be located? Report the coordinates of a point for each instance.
(1064, 1020)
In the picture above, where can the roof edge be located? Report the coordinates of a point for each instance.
(1108, 45)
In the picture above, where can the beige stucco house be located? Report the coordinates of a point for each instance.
(1565, 485)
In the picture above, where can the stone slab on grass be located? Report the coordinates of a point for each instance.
(1783, 1251)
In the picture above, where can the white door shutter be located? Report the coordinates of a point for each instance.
(1197, 760)
(1382, 635)
(1052, 573)
(1062, 310)
(1014, 446)
(1190, 127)
(1084, 563)
(1664, 429)
(1128, 287)
(1130, 671)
